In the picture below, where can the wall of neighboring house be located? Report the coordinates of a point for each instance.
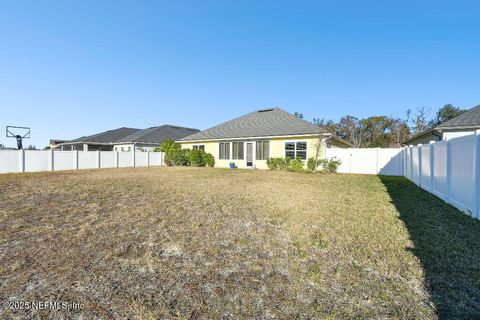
(276, 149)
(129, 147)
(446, 135)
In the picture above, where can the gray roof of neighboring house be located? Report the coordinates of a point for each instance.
(157, 135)
(107, 136)
(260, 123)
(468, 119)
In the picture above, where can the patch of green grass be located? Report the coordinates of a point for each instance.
(157, 243)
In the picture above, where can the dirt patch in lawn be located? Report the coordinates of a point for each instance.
(209, 243)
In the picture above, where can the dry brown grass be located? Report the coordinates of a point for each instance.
(192, 243)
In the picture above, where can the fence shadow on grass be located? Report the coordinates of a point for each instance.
(447, 242)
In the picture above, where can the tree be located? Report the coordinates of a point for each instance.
(327, 125)
(447, 112)
(299, 115)
(350, 129)
(420, 121)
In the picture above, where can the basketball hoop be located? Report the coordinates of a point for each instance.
(18, 133)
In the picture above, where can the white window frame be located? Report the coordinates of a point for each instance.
(229, 148)
(197, 146)
(295, 150)
(269, 146)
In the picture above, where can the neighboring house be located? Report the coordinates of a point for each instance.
(126, 139)
(248, 141)
(151, 138)
(53, 144)
(464, 124)
(99, 141)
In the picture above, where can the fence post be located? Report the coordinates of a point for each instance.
(133, 156)
(148, 158)
(448, 168)
(432, 163)
(75, 159)
(116, 158)
(98, 159)
(21, 160)
(411, 163)
(476, 165)
(420, 165)
(50, 160)
(161, 158)
(377, 170)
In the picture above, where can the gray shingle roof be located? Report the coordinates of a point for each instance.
(470, 118)
(157, 135)
(260, 123)
(107, 136)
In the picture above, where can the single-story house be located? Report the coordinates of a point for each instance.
(248, 141)
(125, 139)
(462, 125)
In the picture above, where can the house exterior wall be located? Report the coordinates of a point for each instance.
(129, 147)
(277, 149)
(446, 135)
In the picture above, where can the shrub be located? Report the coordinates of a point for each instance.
(278, 163)
(296, 165)
(178, 157)
(209, 160)
(332, 165)
(325, 165)
(196, 158)
(169, 145)
(313, 164)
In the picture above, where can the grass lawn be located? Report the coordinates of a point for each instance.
(193, 243)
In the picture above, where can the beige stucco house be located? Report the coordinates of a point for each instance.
(248, 141)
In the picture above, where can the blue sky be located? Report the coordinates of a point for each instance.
(72, 68)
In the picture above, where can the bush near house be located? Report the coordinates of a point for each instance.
(297, 165)
(323, 165)
(176, 156)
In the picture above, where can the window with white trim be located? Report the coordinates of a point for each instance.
(224, 151)
(262, 150)
(237, 150)
(199, 147)
(296, 149)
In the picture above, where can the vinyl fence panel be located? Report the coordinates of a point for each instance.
(440, 169)
(388, 161)
(125, 159)
(156, 158)
(64, 160)
(36, 160)
(87, 159)
(10, 161)
(140, 159)
(108, 159)
(463, 172)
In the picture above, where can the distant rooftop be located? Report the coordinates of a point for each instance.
(157, 135)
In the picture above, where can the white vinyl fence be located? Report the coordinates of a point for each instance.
(449, 169)
(48, 160)
(383, 161)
